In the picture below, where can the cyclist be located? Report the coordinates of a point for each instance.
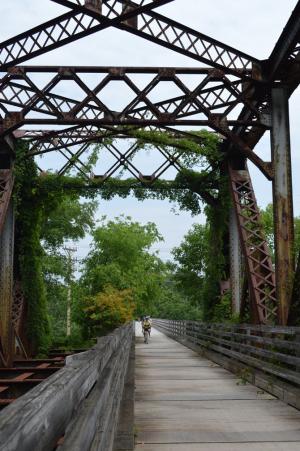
(146, 325)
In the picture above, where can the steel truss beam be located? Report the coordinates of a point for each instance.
(136, 17)
(214, 95)
(283, 66)
(6, 265)
(233, 98)
(261, 276)
(69, 27)
(286, 51)
(209, 104)
(63, 141)
(6, 186)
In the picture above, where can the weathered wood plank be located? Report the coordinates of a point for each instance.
(36, 420)
(274, 350)
(183, 407)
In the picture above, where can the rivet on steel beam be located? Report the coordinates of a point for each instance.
(116, 71)
(132, 21)
(265, 119)
(216, 74)
(167, 72)
(65, 72)
(12, 119)
(95, 5)
(16, 70)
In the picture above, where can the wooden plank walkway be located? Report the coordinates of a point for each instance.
(187, 403)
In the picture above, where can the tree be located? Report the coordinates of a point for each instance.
(268, 224)
(121, 259)
(201, 263)
(267, 219)
(107, 310)
(71, 220)
(190, 260)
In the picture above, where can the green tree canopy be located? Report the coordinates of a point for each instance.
(121, 258)
(190, 260)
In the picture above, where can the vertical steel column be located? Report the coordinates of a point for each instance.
(235, 263)
(6, 285)
(282, 201)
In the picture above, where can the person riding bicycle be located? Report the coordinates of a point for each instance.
(146, 324)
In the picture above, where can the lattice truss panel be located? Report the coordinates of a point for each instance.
(119, 154)
(214, 96)
(90, 16)
(82, 20)
(257, 254)
(18, 305)
(142, 97)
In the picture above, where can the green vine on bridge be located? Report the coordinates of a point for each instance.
(30, 210)
(37, 195)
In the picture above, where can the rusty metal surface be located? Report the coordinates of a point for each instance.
(24, 375)
(236, 264)
(214, 97)
(6, 186)
(283, 202)
(232, 97)
(81, 21)
(6, 286)
(261, 276)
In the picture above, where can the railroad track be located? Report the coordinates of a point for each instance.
(25, 374)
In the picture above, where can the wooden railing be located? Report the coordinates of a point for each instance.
(273, 350)
(78, 407)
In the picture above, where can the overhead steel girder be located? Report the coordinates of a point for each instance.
(84, 20)
(176, 36)
(286, 50)
(214, 98)
(283, 66)
(124, 160)
(63, 141)
(17, 89)
(69, 27)
(41, 141)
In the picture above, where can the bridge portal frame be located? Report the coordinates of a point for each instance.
(262, 88)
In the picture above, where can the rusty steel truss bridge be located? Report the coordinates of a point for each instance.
(236, 95)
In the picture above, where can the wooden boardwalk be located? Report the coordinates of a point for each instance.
(187, 403)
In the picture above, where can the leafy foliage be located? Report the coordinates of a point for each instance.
(202, 260)
(30, 215)
(120, 266)
(120, 258)
(44, 219)
(107, 310)
(267, 219)
(190, 258)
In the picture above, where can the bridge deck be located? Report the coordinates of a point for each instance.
(187, 403)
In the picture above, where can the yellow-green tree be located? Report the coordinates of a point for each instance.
(108, 309)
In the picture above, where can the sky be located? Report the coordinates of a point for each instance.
(253, 29)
